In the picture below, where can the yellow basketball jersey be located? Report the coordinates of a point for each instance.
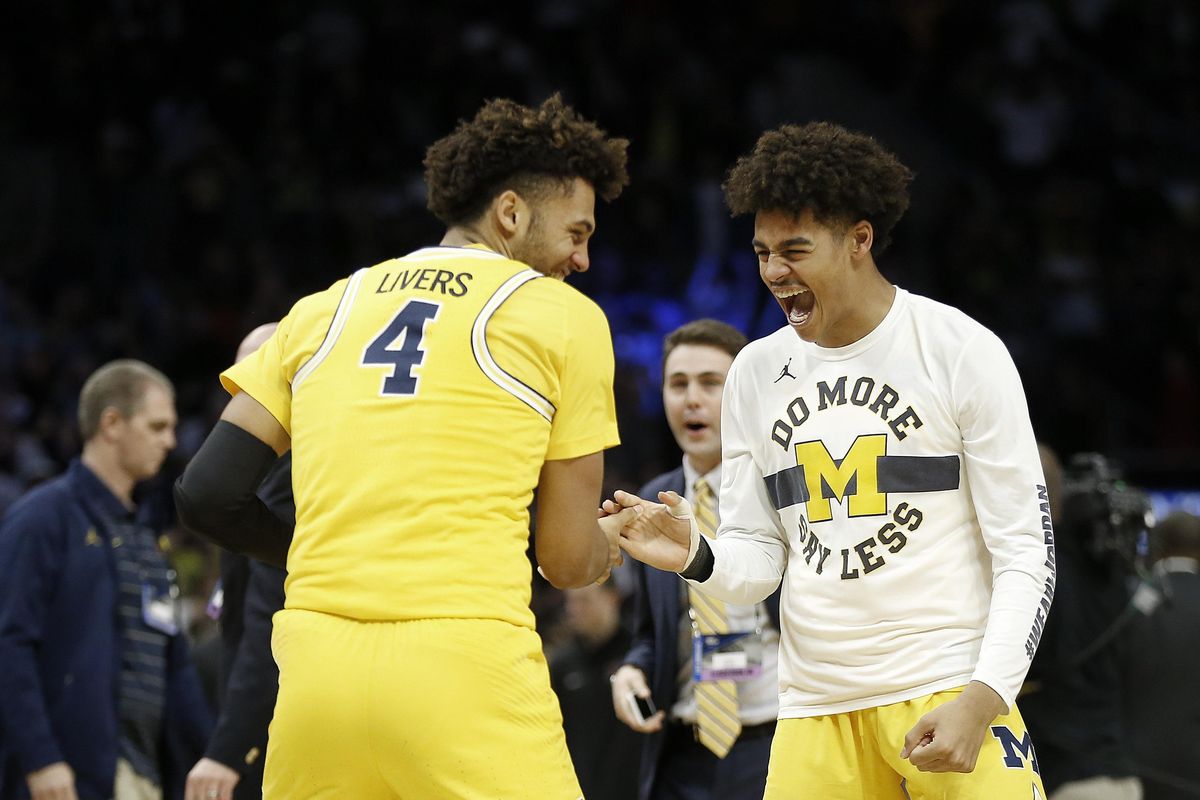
(422, 396)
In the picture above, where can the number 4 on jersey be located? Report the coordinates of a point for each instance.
(407, 328)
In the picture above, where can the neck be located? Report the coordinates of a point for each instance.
(464, 235)
(875, 300)
(103, 462)
(702, 466)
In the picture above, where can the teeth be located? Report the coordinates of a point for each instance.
(790, 291)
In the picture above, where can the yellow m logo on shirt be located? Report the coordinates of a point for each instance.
(855, 476)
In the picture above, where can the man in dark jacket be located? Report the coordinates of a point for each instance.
(248, 679)
(602, 749)
(1161, 660)
(680, 759)
(98, 698)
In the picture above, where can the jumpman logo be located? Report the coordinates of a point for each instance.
(785, 371)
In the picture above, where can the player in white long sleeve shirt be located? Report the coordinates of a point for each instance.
(880, 462)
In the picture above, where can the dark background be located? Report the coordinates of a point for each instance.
(173, 173)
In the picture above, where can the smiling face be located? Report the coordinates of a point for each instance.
(556, 240)
(822, 276)
(693, 379)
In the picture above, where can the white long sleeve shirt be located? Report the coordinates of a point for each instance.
(894, 486)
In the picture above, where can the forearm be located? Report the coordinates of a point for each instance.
(1014, 626)
(216, 499)
(1021, 545)
(23, 708)
(573, 559)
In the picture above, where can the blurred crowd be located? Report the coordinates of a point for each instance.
(174, 173)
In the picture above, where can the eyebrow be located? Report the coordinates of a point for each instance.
(785, 244)
(708, 373)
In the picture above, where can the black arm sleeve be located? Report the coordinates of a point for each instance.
(702, 564)
(215, 496)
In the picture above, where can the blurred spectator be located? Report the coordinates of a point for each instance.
(677, 762)
(246, 597)
(98, 697)
(1162, 661)
(604, 751)
(1071, 700)
(152, 166)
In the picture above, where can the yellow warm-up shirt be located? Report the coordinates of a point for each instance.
(422, 396)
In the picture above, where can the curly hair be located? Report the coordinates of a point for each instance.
(839, 175)
(511, 146)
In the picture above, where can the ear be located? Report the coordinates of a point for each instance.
(511, 213)
(860, 236)
(110, 421)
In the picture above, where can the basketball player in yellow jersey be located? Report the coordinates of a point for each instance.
(424, 399)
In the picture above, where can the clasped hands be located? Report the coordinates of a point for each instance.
(662, 534)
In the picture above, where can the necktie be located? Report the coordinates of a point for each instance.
(717, 721)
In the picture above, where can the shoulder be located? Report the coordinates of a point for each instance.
(44, 508)
(951, 338)
(328, 298)
(763, 358)
(316, 307)
(767, 347)
(946, 320)
(50, 497)
(571, 318)
(561, 294)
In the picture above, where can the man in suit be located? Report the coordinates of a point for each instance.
(250, 594)
(715, 741)
(1162, 707)
(602, 749)
(1071, 699)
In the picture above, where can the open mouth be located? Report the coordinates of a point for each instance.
(696, 427)
(797, 302)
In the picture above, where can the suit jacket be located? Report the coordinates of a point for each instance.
(60, 651)
(655, 649)
(250, 678)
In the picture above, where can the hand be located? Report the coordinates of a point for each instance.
(949, 737)
(53, 782)
(211, 780)
(629, 680)
(610, 525)
(661, 535)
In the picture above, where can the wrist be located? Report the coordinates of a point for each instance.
(622, 671)
(700, 567)
(984, 701)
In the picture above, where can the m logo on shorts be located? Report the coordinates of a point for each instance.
(1017, 752)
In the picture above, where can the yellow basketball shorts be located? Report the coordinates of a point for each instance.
(856, 756)
(423, 709)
